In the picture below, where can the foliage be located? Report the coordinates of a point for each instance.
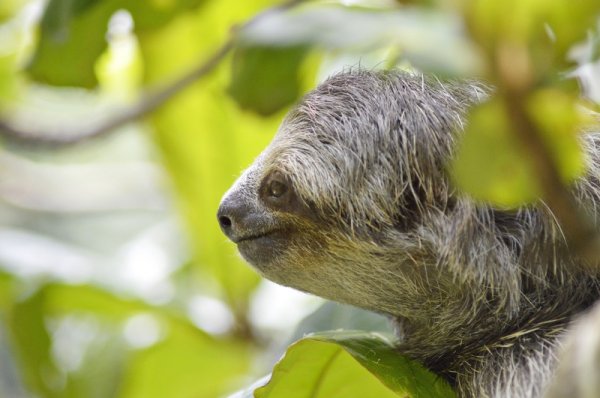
(342, 364)
(67, 335)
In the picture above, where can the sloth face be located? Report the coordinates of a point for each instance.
(333, 204)
(258, 213)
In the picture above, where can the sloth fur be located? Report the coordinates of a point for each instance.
(352, 202)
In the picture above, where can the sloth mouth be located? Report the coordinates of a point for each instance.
(257, 236)
(262, 248)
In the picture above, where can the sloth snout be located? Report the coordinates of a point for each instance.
(228, 217)
(237, 218)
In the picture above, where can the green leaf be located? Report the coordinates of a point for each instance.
(72, 37)
(73, 34)
(8, 8)
(559, 121)
(266, 79)
(169, 368)
(62, 299)
(31, 340)
(8, 80)
(350, 364)
(101, 371)
(489, 164)
(547, 30)
(188, 364)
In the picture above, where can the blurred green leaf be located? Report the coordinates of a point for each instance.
(101, 371)
(72, 37)
(559, 121)
(188, 364)
(26, 322)
(6, 291)
(492, 167)
(154, 14)
(546, 29)
(63, 299)
(170, 368)
(59, 13)
(73, 34)
(266, 79)
(8, 8)
(8, 84)
(350, 364)
(489, 164)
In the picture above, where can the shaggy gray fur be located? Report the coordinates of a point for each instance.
(479, 295)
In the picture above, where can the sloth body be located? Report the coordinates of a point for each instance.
(351, 202)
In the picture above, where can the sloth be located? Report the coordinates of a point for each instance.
(352, 202)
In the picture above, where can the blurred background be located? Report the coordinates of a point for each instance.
(115, 280)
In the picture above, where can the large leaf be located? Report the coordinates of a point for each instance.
(73, 34)
(534, 37)
(72, 37)
(169, 368)
(8, 80)
(492, 166)
(187, 364)
(62, 299)
(350, 365)
(8, 8)
(26, 321)
(266, 79)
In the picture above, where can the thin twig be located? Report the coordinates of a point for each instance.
(149, 102)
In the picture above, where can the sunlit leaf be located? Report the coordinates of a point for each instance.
(8, 8)
(6, 290)
(188, 364)
(61, 299)
(489, 164)
(350, 365)
(492, 166)
(170, 368)
(559, 121)
(8, 84)
(72, 38)
(73, 35)
(266, 79)
(101, 371)
(547, 30)
(32, 343)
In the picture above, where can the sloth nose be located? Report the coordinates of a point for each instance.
(229, 216)
(225, 221)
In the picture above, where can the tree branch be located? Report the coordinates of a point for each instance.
(152, 100)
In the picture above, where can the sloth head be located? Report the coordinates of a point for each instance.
(336, 205)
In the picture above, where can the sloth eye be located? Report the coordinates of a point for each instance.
(277, 188)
